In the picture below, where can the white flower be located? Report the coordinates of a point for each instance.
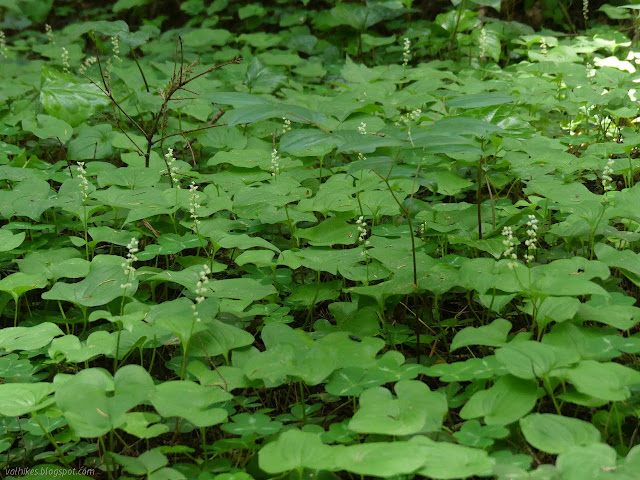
(127, 265)
(543, 46)
(49, 33)
(275, 163)
(65, 60)
(585, 9)
(510, 243)
(87, 63)
(3, 45)
(193, 204)
(201, 290)
(606, 176)
(287, 125)
(82, 175)
(482, 43)
(115, 47)
(170, 160)
(362, 128)
(532, 234)
(406, 52)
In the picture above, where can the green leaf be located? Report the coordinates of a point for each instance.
(531, 360)
(21, 398)
(607, 381)
(308, 143)
(9, 240)
(66, 99)
(190, 401)
(492, 335)
(45, 126)
(28, 338)
(295, 450)
(382, 459)
(102, 285)
(556, 434)
(415, 410)
(94, 403)
(448, 461)
(509, 399)
(332, 231)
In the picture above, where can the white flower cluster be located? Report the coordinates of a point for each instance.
(585, 9)
(87, 63)
(82, 175)
(362, 234)
(115, 47)
(127, 265)
(606, 176)
(171, 160)
(3, 45)
(49, 33)
(482, 43)
(406, 52)
(362, 128)
(530, 242)
(201, 289)
(275, 162)
(65, 60)
(194, 205)
(408, 117)
(287, 125)
(510, 243)
(543, 46)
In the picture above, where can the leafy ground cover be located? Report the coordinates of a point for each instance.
(288, 241)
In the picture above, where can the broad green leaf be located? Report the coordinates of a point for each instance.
(492, 335)
(531, 360)
(98, 343)
(448, 460)
(509, 399)
(308, 143)
(46, 126)
(94, 403)
(28, 338)
(296, 450)
(65, 98)
(18, 399)
(556, 434)
(103, 284)
(415, 410)
(606, 381)
(219, 339)
(190, 401)
(381, 459)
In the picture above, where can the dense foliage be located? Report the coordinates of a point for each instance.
(248, 241)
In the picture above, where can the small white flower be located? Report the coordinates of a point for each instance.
(532, 234)
(362, 128)
(194, 205)
(172, 169)
(606, 176)
(65, 60)
(510, 243)
(287, 125)
(3, 45)
(127, 265)
(482, 43)
(201, 290)
(543, 46)
(585, 9)
(115, 47)
(49, 33)
(406, 52)
(275, 163)
(87, 63)
(84, 183)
